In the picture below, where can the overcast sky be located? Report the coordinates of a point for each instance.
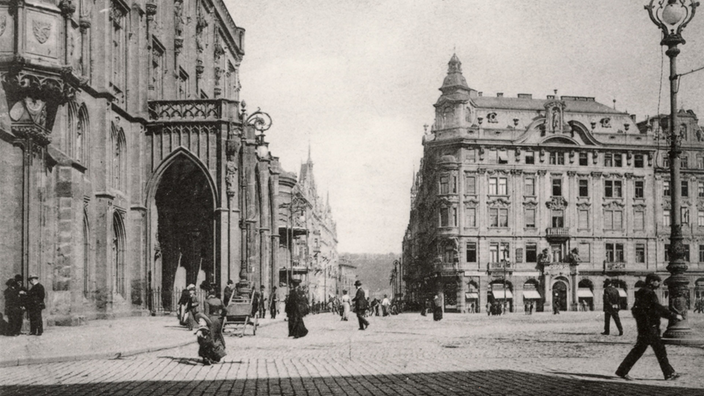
(357, 79)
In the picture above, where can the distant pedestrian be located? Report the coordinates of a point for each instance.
(385, 303)
(228, 292)
(13, 308)
(273, 301)
(262, 302)
(183, 304)
(345, 305)
(611, 306)
(192, 308)
(437, 308)
(525, 308)
(255, 297)
(488, 309)
(35, 305)
(647, 312)
(530, 312)
(361, 305)
(556, 304)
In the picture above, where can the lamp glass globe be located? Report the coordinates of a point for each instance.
(673, 14)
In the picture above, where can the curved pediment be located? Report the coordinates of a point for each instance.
(562, 140)
(573, 133)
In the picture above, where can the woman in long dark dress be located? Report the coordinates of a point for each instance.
(216, 311)
(298, 308)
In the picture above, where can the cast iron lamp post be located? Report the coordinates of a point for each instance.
(672, 16)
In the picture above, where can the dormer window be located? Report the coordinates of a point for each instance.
(491, 118)
(606, 122)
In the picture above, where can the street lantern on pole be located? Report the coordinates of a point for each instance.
(672, 16)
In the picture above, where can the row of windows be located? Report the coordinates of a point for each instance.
(614, 252)
(498, 218)
(684, 188)
(499, 186)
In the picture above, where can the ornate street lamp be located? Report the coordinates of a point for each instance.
(672, 16)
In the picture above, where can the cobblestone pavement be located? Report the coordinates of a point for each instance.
(400, 355)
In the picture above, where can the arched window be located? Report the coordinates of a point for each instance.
(117, 254)
(119, 158)
(70, 133)
(80, 136)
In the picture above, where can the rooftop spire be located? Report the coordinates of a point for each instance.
(454, 79)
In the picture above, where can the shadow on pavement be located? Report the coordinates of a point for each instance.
(494, 382)
(193, 361)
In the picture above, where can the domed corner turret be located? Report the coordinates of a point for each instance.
(454, 80)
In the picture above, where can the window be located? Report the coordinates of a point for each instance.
(119, 47)
(117, 254)
(444, 185)
(504, 251)
(666, 218)
(444, 217)
(640, 253)
(503, 186)
(613, 189)
(639, 220)
(700, 162)
(685, 188)
(701, 253)
(502, 156)
(471, 252)
(618, 160)
(666, 188)
(557, 158)
(530, 158)
(700, 189)
(700, 218)
(454, 184)
(613, 219)
(583, 217)
(638, 161)
(684, 163)
(667, 252)
(119, 158)
(157, 69)
(470, 217)
(684, 215)
(498, 217)
(583, 187)
(640, 189)
(519, 255)
(608, 159)
(454, 217)
(531, 253)
(470, 185)
(184, 90)
(530, 186)
(558, 219)
(614, 253)
(530, 218)
(557, 187)
(686, 252)
(497, 186)
(494, 252)
(583, 161)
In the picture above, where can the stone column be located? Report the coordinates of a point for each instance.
(264, 223)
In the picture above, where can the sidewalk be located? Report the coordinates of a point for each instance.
(100, 339)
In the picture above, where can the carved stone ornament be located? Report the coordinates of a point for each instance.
(499, 202)
(231, 177)
(531, 204)
(151, 10)
(557, 203)
(613, 205)
(36, 133)
(583, 205)
(41, 30)
(67, 8)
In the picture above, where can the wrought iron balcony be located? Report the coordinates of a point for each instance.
(500, 266)
(193, 110)
(559, 233)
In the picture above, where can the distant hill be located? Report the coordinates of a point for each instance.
(374, 270)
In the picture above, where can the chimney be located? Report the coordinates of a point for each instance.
(550, 97)
(480, 93)
(525, 96)
(499, 94)
(633, 117)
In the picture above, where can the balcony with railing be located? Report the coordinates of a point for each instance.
(557, 233)
(500, 266)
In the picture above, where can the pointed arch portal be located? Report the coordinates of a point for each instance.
(184, 229)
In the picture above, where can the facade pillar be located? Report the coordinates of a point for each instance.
(264, 223)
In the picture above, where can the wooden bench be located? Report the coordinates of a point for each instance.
(239, 314)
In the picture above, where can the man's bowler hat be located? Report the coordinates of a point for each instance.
(357, 283)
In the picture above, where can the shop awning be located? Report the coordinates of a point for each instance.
(531, 295)
(585, 293)
(471, 296)
(622, 293)
(499, 294)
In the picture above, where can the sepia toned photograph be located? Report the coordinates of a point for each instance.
(351, 197)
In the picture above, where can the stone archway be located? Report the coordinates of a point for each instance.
(560, 293)
(182, 227)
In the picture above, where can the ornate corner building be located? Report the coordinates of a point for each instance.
(308, 236)
(521, 200)
(129, 166)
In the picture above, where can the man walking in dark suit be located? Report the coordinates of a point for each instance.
(611, 307)
(647, 312)
(360, 304)
(35, 305)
